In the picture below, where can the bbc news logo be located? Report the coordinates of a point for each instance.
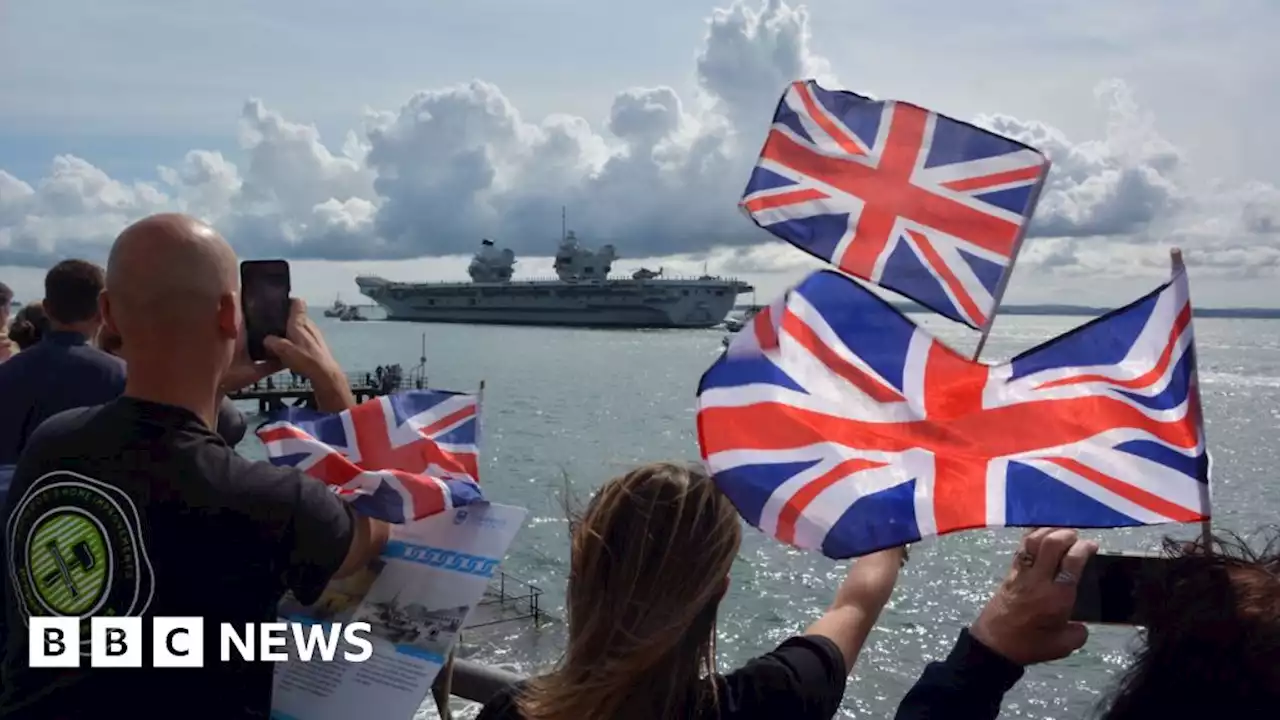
(54, 642)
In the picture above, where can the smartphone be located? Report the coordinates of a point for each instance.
(1109, 587)
(264, 292)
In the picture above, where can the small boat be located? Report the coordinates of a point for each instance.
(351, 313)
(337, 309)
(734, 324)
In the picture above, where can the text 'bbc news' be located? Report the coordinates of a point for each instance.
(56, 642)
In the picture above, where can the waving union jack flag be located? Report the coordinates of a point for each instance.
(834, 423)
(397, 458)
(929, 207)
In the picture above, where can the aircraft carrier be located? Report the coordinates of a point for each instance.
(582, 294)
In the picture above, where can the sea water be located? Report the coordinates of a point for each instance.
(566, 409)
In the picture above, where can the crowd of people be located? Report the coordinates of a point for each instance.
(114, 387)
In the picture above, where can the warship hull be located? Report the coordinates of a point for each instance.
(606, 303)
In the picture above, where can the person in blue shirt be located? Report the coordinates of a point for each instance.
(64, 370)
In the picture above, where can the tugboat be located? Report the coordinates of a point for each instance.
(351, 313)
(337, 309)
(735, 324)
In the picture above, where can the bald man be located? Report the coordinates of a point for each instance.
(138, 508)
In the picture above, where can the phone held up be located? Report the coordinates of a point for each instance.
(1109, 587)
(264, 292)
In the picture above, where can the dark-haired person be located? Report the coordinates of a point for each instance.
(1210, 645)
(6, 301)
(648, 568)
(29, 325)
(64, 370)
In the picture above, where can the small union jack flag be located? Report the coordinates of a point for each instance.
(914, 201)
(833, 422)
(398, 458)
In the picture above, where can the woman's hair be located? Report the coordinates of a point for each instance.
(1211, 647)
(29, 325)
(649, 564)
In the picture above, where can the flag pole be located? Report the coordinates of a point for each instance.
(479, 412)
(1013, 260)
(1206, 526)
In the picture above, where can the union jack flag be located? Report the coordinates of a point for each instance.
(833, 422)
(398, 457)
(914, 201)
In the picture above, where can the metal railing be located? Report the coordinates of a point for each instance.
(285, 382)
(510, 599)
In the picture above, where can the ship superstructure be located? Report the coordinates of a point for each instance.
(582, 294)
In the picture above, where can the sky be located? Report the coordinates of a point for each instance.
(390, 136)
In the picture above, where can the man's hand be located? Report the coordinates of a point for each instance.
(303, 350)
(1028, 619)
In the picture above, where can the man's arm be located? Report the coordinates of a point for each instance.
(367, 542)
(317, 536)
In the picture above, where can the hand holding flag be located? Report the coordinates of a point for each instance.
(398, 458)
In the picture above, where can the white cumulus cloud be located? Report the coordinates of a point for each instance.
(660, 177)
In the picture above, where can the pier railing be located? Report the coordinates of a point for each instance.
(272, 391)
(507, 599)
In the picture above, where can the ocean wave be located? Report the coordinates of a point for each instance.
(1237, 380)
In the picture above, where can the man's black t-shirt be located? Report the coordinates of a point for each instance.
(803, 679)
(137, 509)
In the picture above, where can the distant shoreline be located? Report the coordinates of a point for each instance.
(1085, 311)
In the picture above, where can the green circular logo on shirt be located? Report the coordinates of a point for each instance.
(76, 549)
(69, 558)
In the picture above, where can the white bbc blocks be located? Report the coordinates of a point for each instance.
(115, 641)
(54, 642)
(177, 642)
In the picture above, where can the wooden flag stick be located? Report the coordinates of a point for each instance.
(1206, 525)
(1013, 259)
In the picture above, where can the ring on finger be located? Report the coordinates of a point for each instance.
(1064, 578)
(1026, 559)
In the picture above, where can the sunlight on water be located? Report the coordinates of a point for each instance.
(571, 408)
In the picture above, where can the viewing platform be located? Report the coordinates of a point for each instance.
(285, 389)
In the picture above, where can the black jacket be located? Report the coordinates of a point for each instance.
(969, 685)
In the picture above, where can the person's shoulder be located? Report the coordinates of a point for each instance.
(231, 423)
(503, 705)
(804, 676)
(256, 472)
(19, 361)
(807, 649)
(101, 359)
(258, 484)
(64, 425)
